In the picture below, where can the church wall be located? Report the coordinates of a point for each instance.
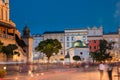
(7, 41)
(77, 51)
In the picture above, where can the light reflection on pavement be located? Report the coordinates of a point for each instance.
(61, 74)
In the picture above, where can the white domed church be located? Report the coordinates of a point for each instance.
(78, 48)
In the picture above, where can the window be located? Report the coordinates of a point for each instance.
(81, 53)
(90, 47)
(72, 38)
(61, 39)
(94, 41)
(84, 38)
(67, 44)
(67, 38)
(94, 47)
(61, 53)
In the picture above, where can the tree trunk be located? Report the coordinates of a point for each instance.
(48, 64)
(9, 58)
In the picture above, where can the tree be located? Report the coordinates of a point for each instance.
(19, 41)
(48, 47)
(102, 54)
(96, 56)
(9, 50)
(1, 46)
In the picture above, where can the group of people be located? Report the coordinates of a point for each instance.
(108, 67)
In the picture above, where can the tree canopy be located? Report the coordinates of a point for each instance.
(9, 50)
(1, 46)
(48, 47)
(103, 53)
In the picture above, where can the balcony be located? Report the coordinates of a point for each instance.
(7, 36)
(9, 24)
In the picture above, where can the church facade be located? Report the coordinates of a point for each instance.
(9, 34)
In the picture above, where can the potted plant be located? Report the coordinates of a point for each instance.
(2, 73)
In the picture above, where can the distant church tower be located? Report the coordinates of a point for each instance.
(29, 42)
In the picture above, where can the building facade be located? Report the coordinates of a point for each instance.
(66, 38)
(113, 37)
(88, 36)
(8, 31)
(9, 34)
(94, 35)
(37, 38)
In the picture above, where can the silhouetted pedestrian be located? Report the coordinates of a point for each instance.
(109, 70)
(101, 69)
(85, 66)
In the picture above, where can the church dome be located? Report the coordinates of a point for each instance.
(26, 29)
(79, 43)
(26, 32)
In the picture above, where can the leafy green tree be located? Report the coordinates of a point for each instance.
(102, 54)
(16, 52)
(97, 56)
(19, 41)
(1, 46)
(9, 50)
(48, 47)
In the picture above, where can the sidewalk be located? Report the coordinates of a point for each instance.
(61, 74)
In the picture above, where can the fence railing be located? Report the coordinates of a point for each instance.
(7, 36)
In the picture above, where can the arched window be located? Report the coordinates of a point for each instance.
(81, 53)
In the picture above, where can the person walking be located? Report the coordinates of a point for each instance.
(109, 70)
(101, 69)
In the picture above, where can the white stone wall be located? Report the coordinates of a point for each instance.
(74, 35)
(95, 31)
(36, 40)
(76, 51)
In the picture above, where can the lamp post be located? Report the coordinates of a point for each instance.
(68, 56)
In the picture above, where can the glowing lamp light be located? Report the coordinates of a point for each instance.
(4, 67)
(42, 74)
(29, 72)
(16, 78)
(37, 74)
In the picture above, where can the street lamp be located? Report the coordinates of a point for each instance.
(4, 67)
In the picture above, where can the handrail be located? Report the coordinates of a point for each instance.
(6, 36)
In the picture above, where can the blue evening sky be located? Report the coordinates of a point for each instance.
(57, 15)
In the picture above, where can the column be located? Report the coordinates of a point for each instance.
(13, 33)
(5, 32)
